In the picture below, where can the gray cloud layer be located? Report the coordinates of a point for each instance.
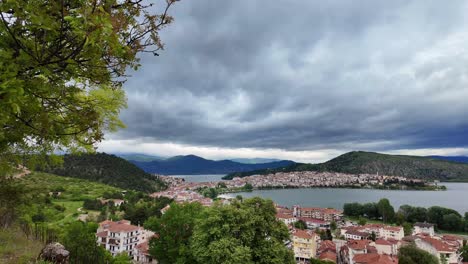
(306, 75)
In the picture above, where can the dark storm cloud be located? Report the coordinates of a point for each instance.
(305, 75)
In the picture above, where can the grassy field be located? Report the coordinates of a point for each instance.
(73, 192)
(16, 248)
(72, 189)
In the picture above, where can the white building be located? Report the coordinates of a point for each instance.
(285, 218)
(119, 237)
(439, 248)
(424, 228)
(392, 232)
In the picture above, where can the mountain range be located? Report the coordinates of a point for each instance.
(360, 162)
(461, 159)
(192, 165)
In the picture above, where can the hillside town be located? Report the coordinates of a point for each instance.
(307, 179)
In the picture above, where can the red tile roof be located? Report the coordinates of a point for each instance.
(358, 244)
(303, 234)
(143, 247)
(327, 245)
(119, 226)
(439, 245)
(328, 256)
(383, 242)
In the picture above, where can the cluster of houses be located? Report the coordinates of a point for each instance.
(361, 244)
(352, 243)
(304, 179)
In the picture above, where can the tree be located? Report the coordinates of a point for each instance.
(407, 228)
(386, 210)
(373, 236)
(62, 66)
(12, 196)
(353, 209)
(436, 214)
(464, 252)
(300, 224)
(362, 221)
(174, 230)
(333, 225)
(413, 255)
(243, 232)
(79, 238)
(452, 222)
(248, 187)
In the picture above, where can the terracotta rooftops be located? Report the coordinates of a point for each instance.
(119, 226)
(358, 244)
(328, 256)
(303, 234)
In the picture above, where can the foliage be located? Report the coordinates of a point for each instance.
(79, 238)
(174, 229)
(300, 224)
(141, 209)
(413, 255)
(436, 215)
(359, 162)
(108, 169)
(248, 187)
(12, 196)
(17, 248)
(464, 253)
(74, 189)
(407, 228)
(243, 232)
(413, 214)
(362, 221)
(333, 225)
(62, 66)
(386, 210)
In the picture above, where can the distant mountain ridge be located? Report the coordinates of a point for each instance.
(461, 159)
(146, 157)
(192, 165)
(360, 162)
(138, 157)
(254, 160)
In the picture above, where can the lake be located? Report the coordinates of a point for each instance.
(455, 197)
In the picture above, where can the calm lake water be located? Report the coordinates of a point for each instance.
(455, 197)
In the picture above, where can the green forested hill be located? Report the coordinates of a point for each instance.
(357, 162)
(108, 169)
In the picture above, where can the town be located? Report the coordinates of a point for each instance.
(315, 233)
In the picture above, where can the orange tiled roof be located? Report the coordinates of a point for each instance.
(358, 244)
(439, 245)
(303, 234)
(331, 256)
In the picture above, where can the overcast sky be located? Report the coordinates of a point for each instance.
(302, 80)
